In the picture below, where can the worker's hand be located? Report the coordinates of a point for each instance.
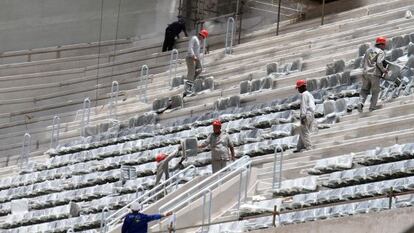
(168, 214)
(302, 119)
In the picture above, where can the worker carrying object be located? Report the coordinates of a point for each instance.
(374, 68)
(307, 119)
(137, 222)
(163, 161)
(173, 31)
(222, 149)
(193, 62)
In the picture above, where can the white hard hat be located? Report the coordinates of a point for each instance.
(135, 206)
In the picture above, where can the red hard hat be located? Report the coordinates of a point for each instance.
(217, 123)
(300, 83)
(204, 33)
(381, 40)
(160, 157)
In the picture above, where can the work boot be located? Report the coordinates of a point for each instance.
(360, 106)
(371, 109)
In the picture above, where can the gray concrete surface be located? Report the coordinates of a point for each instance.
(27, 24)
(389, 221)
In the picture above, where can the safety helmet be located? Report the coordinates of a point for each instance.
(160, 157)
(135, 206)
(300, 83)
(381, 40)
(204, 33)
(217, 123)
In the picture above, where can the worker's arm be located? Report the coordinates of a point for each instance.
(380, 62)
(205, 143)
(125, 225)
(231, 147)
(157, 216)
(190, 47)
(171, 155)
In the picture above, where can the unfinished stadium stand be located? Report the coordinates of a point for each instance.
(362, 164)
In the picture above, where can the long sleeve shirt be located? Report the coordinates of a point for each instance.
(373, 62)
(194, 47)
(307, 104)
(220, 146)
(138, 222)
(164, 163)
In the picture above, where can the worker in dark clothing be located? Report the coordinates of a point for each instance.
(172, 31)
(137, 222)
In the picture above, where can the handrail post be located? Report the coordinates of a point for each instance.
(276, 169)
(54, 139)
(143, 84)
(85, 122)
(103, 228)
(173, 66)
(278, 17)
(229, 36)
(113, 101)
(26, 148)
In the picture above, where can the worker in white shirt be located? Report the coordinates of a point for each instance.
(307, 120)
(193, 62)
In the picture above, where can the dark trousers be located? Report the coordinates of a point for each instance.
(169, 42)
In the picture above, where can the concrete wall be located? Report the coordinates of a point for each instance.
(27, 24)
(389, 221)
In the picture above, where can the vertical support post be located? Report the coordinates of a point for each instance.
(274, 216)
(206, 206)
(173, 66)
(203, 52)
(323, 12)
(229, 36)
(278, 17)
(113, 101)
(143, 84)
(240, 18)
(26, 148)
(277, 168)
(54, 139)
(240, 191)
(103, 222)
(86, 111)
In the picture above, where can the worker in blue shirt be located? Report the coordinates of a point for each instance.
(137, 222)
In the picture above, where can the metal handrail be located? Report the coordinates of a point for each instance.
(183, 197)
(229, 36)
(173, 65)
(153, 193)
(188, 197)
(143, 84)
(277, 179)
(85, 122)
(113, 101)
(26, 147)
(54, 139)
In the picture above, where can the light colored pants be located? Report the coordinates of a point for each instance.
(217, 165)
(304, 133)
(370, 85)
(193, 68)
(162, 168)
